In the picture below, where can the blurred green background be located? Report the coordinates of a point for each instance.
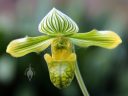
(105, 72)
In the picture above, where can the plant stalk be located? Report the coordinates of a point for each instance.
(80, 81)
(79, 78)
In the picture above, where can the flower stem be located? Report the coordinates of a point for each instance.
(79, 78)
(80, 81)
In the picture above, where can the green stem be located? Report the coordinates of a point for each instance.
(79, 78)
(80, 81)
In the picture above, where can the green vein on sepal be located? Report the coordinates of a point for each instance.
(56, 22)
(105, 39)
(23, 46)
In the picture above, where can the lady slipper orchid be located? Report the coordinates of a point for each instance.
(61, 32)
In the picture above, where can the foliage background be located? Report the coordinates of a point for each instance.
(105, 72)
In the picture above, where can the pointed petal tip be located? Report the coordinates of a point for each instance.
(54, 8)
(114, 37)
(117, 39)
(9, 49)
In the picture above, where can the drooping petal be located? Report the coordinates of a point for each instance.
(23, 46)
(105, 39)
(56, 22)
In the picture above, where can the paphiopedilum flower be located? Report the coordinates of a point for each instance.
(61, 32)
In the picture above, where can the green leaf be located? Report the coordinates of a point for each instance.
(56, 22)
(105, 39)
(23, 46)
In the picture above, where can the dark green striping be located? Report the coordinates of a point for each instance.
(48, 26)
(67, 25)
(71, 27)
(52, 23)
(59, 22)
(56, 22)
(43, 28)
(55, 25)
(53, 19)
(63, 23)
(20, 47)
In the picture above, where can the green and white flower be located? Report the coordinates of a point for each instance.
(57, 24)
(60, 31)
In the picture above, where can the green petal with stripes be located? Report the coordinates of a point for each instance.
(23, 46)
(56, 22)
(105, 39)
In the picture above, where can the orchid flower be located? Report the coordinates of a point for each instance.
(61, 32)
